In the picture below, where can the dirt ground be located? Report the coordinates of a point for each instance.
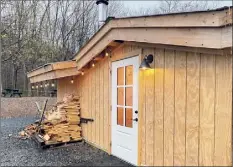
(18, 152)
(24, 106)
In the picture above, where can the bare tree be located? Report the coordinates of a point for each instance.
(37, 32)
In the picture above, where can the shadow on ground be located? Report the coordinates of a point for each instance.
(18, 152)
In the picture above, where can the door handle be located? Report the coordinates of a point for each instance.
(135, 119)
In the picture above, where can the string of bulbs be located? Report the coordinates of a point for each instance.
(72, 79)
(92, 64)
(41, 85)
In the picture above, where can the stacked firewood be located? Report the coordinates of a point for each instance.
(62, 123)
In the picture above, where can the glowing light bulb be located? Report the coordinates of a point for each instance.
(37, 86)
(82, 73)
(106, 54)
(72, 81)
(52, 84)
(41, 85)
(32, 87)
(93, 65)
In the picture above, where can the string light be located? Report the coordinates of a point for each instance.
(37, 86)
(46, 85)
(106, 54)
(52, 84)
(72, 81)
(32, 87)
(41, 86)
(82, 73)
(93, 64)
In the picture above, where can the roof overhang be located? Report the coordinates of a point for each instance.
(210, 29)
(53, 71)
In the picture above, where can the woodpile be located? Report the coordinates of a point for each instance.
(62, 122)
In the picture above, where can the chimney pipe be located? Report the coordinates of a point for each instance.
(103, 9)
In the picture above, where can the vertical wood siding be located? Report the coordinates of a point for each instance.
(64, 86)
(185, 107)
(192, 110)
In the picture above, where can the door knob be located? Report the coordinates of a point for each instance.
(135, 119)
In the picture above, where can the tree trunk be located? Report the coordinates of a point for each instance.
(15, 78)
(25, 82)
(13, 75)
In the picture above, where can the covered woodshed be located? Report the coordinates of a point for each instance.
(176, 112)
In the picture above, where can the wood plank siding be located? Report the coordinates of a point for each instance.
(185, 106)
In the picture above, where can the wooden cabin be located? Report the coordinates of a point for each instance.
(179, 111)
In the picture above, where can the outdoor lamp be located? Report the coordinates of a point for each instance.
(146, 62)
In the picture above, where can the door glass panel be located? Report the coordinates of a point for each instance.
(120, 116)
(128, 117)
(129, 96)
(125, 96)
(120, 96)
(129, 75)
(120, 76)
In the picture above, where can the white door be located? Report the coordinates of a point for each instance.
(124, 109)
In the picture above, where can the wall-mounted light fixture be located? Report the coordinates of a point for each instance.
(146, 62)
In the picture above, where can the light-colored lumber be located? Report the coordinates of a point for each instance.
(192, 115)
(142, 119)
(180, 108)
(169, 107)
(207, 107)
(97, 102)
(106, 116)
(64, 125)
(150, 82)
(223, 111)
(158, 107)
(101, 103)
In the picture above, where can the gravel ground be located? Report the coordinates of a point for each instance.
(18, 152)
(24, 106)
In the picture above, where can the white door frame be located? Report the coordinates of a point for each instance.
(128, 135)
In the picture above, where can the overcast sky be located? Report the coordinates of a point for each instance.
(134, 5)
